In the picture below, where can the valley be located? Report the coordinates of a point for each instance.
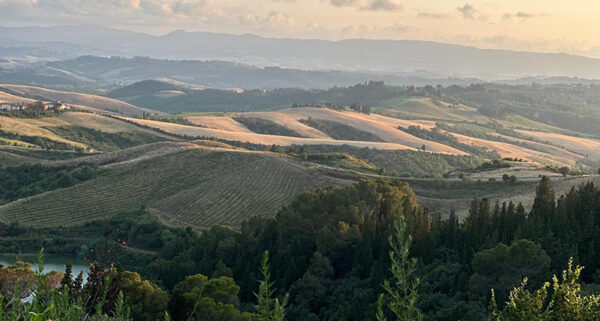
(204, 160)
(291, 161)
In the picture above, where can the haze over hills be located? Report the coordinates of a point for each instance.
(223, 74)
(349, 55)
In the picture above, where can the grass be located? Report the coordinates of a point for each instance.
(12, 156)
(74, 131)
(465, 189)
(103, 141)
(265, 126)
(425, 108)
(37, 141)
(404, 162)
(198, 187)
(72, 98)
(341, 160)
(341, 131)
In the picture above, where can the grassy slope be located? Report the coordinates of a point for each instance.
(49, 128)
(265, 126)
(194, 186)
(426, 108)
(85, 100)
(341, 131)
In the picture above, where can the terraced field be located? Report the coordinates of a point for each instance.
(197, 186)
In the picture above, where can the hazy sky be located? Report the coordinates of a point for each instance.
(533, 25)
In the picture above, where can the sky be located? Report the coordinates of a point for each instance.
(527, 25)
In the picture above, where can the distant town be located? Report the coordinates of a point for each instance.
(38, 105)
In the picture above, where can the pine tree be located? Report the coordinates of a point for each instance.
(543, 204)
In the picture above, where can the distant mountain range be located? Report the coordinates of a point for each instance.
(387, 56)
(223, 75)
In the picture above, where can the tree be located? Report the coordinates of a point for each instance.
(401, 294)
(543, 203)
(202, 299)
(566, 302)
(503, 267)
(146, 300)
(564, 171)
(269, 308)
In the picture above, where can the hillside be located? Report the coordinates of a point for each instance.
(185, 184)
(480, 137)
(83, 101)
(75, 130)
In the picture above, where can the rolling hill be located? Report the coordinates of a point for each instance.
(386, 130)
(16, 93)
(75, 130)
(191, 184)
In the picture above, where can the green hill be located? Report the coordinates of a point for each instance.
(189, 185)
(146, 87)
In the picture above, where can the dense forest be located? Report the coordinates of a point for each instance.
(330, 254)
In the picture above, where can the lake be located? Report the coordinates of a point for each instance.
(51, 263)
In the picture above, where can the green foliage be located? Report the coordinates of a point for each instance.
(132, 237)
(448, 139)
(269, 308)
(200, 298)
(27, 180)
(143, 94)
(340, 131)
(34, 110)
(501, 267)
(403, 162)
(323, 247)
(146, 300)
(54, 303)
(402, 291)
(104, 141)
(340, 160)
(562, 105)
(566, 301)
(41, 142)
(265, 126)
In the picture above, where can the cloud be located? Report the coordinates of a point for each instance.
(522, 15)
(470, 12)
(279, 19)
(369, 5)
(432, 15)
(384, 5)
